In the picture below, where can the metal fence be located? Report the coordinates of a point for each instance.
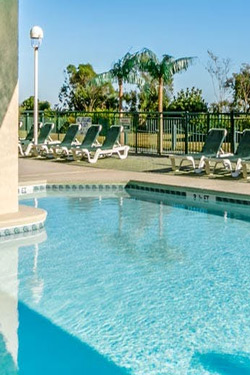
(183, 132)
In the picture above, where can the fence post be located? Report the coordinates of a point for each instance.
(186, 132)
(160, 134)
(26, 121)
(232, 126)
(43, 117)
(208, 122)
(57, 122)
(135, 121)
(174, 136)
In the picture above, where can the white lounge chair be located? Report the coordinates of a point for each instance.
(241, 157)
(89, 140)
(110, 146)
(29, 148)
(55, 149)
(211, 148)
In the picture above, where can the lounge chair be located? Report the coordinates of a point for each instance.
(23, 143)
(89, 142)
(211, 148)
(57, 148)
(30, 134)
(42, 139)
(241, 156)
(109, 147)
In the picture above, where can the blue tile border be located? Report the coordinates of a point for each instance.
(199, 194)
(140, 186)
(154, 189)
(19, 229)
(233, 200)
(87, 187)
(31, 189)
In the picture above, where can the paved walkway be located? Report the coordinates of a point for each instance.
(33, 170)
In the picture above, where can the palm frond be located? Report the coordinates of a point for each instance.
(181, 64)
(125, 70)
(171, 66)
(104, 78)
(146, 54)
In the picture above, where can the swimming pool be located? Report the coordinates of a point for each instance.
(122, 285)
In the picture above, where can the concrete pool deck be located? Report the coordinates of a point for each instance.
(136, 168)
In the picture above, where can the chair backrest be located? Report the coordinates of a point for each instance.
(243, 149)
(30, 134)
(45, 132)
(213, 141)
(91, 136)
(112, 136)
(70, 134)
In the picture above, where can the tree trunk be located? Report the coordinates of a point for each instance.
(120, 95)
(160, 108)
(120, 83)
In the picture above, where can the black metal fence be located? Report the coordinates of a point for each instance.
(183, 132)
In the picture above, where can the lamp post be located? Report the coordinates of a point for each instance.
(36, 36)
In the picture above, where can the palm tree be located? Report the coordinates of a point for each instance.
(162, 71)
(125, 70)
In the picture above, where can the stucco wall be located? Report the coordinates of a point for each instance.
(8, 106)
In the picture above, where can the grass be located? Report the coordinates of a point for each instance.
(145, 141)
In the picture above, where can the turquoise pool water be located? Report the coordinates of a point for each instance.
(119, 285)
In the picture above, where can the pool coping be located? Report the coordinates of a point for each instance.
(27, 219)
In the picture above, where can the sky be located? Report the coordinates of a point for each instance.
(100, 32)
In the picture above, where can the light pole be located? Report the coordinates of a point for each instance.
(36, 36)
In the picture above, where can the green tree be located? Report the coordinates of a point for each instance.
(79, 91)
(189, 100)
(162, 71)
(125, 70)
(148, 95)
(145, 99)
(239, 83)
(223, 106)
(130, 100)
(28, 104)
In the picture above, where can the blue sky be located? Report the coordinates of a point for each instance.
(100, 32)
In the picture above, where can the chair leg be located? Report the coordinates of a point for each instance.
(215, 165)
(201, 162)
(207, 166)
(201, 165)
(182, 161)
(191, 159)
(20, 149)
(123, 153)
(227, 164)
(173, 165)
(238, 167)
(54, 150)
(75, 154)
(95, 157)
(28, 149)
(244, 170)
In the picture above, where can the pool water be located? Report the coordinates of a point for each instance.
(127, 286)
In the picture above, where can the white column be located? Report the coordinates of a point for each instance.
(35, 95)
